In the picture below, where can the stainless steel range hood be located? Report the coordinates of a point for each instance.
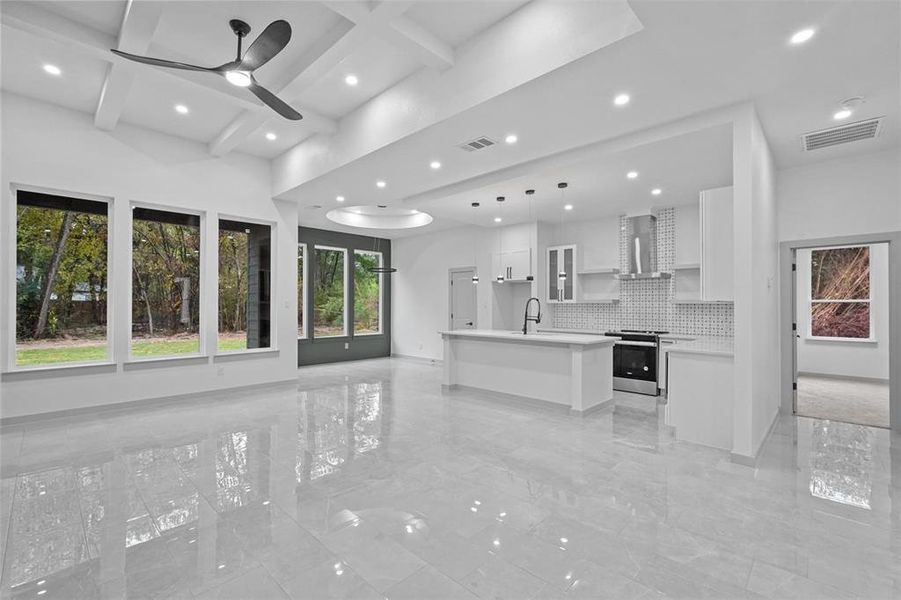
(641, 236)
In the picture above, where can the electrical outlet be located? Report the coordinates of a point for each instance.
(220, 371)
(347, 345)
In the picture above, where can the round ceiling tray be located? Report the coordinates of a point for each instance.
(374, 217)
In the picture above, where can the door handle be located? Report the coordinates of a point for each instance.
(470, 323)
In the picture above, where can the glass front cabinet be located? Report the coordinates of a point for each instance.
(561, 273)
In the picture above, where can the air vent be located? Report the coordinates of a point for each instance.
(477, 144)
(852, 132)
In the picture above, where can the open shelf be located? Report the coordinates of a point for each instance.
(600, 271)
(687, 266)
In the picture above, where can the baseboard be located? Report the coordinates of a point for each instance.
(421, 359)
(844, 377)
(144, 404)
(751, 461)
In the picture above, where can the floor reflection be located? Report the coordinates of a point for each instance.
(201, 507)
(842, 463)
(380, 485)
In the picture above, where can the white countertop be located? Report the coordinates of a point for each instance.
(682, 342)
(540, 337)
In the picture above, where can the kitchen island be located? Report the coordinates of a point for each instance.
(564, 370)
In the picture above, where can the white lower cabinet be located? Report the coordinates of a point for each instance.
(699, 398)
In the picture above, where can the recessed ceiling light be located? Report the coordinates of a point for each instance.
(842, 114)
(181, 109)
(511, 138)
(435, 164)
(380, 184)
(52, 70)
(621, 99)
(632, 174)
(271, 136)
(801, 36)
(656, 191)
(497, 219)
(351, 80)
(568, 207)
(339, 198)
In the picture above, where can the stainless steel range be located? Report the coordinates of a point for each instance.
(635, 360)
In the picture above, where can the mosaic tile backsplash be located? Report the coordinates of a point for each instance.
(648, 304)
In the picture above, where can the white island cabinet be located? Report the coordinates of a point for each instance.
(568, 370)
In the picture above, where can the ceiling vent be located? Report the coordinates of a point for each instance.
(852, 132)
(477, 144)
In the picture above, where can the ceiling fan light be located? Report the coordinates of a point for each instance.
(238, 78)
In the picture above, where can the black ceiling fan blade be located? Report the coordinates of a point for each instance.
(269, 43)
(159, 62)
(274, 102)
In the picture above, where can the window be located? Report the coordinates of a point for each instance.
(244, 285)
(329, 292)
(301, 291)
(840, 292)
(61, 279)
(367, 293)
(165, 291)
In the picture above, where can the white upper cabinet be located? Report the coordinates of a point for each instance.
(687, 237)
(703, 261)
(562, 278)
(717, 240)
(512, 265)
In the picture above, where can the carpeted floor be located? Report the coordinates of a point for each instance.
(861, 401)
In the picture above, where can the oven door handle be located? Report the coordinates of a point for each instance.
(634, 343)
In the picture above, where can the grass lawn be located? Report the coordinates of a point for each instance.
(140, 349)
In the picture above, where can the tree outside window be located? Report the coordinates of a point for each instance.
(367, 293)
(329, 292)
(61, 279)
(840, 292)
(165, 283)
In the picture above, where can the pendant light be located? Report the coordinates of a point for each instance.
(561, 275)
(377, 248)
(500, 235)
(531, 276)
(475, 242)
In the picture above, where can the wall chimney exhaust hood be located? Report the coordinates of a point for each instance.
(641, 249)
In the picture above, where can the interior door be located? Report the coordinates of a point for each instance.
(462, 299)
(795, 333)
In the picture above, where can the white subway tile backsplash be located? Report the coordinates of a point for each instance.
(648, 304)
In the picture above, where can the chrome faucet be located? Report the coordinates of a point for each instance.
(526, 318)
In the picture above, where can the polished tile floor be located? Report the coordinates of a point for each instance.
(368, 482)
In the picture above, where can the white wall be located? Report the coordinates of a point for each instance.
(55, 148)
(859, 194)
(420, 287)
(850, 359)
(756, 392)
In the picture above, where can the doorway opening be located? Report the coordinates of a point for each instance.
(462, 298)
(842, 334)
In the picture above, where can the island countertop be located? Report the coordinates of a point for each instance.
(536, 338)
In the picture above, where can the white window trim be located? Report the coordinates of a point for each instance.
(347, 312)
(381, 330)
(203, 285)
(8, 272)
(869, 301)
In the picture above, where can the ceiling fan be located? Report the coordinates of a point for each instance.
(239, 72)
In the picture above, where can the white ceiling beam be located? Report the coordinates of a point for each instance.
(46, 25)
(138, 26)
(388, 22)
